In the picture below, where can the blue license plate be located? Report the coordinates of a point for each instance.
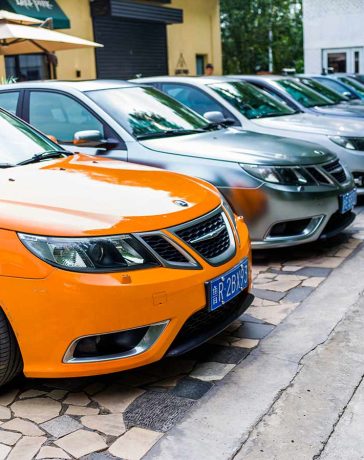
(347, 201)
(226, 287)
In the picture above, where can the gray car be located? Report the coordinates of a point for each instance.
(288, 191)
(244, 105)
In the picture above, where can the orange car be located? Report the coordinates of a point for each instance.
(107, 266)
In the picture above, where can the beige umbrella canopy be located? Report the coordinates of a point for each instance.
(7, 16)
(19, 39)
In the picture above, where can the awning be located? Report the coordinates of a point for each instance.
(39, 9)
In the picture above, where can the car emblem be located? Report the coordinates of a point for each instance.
(181, 203)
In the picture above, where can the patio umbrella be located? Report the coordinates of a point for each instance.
(7, 16)
(20, 39)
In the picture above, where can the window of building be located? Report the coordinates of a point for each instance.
(60, 116)
(356, 62)
(338, 61)
(26, 67)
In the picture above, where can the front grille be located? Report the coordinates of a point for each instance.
(318, 176)
(210, 238)
(164, 249)
(204, 320)
(336, 170)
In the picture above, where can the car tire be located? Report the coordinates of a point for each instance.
(11, 362)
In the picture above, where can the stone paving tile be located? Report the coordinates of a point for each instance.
(211, 371)
(22, 426)
(280, 285)
(26, 448)
(31, 394)
(60, 426)
(157, 411)
(219, 354)
(5, 413)
(134, 444)
(268, 295)
(4, 451)
(48, 452)
(274, 315)
(298, 294)
(36, 409)
(253, 330)
(7, 397)
(117, 399)
(9, 438)
(191, 388)
(77, 399)
(57, 394)
(111, 424)
(315, 271)
(170, 382)
(313, 282)
(246, 343)
(81, 442)
(79, 410)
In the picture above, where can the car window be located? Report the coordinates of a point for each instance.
(143, 110)
(359, 88)
(251, 101)
(304, 95)
(19, 141)
(194, 98)
(9, 101)
(60, 115)
(322, 89)
(337, 86)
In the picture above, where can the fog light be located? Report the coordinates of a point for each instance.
(116, 345)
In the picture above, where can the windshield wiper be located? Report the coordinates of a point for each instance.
(169, 133)
(47, 155)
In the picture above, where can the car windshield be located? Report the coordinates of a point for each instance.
(303, 95)
(322, 89)
(359, 88)
(19, 142)
(146, 112)
(337, 86)
(250, 101)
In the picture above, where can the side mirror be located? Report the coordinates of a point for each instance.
(346, 94)
(91, 138)
(214, 117)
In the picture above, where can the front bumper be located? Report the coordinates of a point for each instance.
(303, 215)
(49, 314)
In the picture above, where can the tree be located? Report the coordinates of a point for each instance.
(251, 27)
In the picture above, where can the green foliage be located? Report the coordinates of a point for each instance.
(250, 26)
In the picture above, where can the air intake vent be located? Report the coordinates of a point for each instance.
(336, 170)
(164, 249)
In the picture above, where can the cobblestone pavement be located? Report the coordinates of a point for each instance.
(123, 415)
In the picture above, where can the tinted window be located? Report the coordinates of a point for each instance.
(337, 86)
(9, 101)
(354, 84)
(250, 101)
(194, 98)
(60, 116)
(304, 95)
(327, 92)
(19, 141)
(145, 110)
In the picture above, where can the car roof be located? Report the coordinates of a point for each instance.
(264, 77)
(82, 86)
(200, 80)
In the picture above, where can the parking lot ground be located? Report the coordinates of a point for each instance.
(282, 382)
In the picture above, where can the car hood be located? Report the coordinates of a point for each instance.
(82, 196)
(237, 145)
(316, 124)
(343, 110)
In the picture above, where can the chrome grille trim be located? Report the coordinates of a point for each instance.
(190, 263)
(226, 254)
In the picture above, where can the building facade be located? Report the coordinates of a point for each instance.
(140, 37)
(333, 35)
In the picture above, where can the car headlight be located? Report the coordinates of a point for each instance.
(99, 254)
(280, 174)
(343, 141)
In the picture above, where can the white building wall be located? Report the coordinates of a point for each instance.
(331, 24)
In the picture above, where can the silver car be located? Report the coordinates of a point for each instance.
(288, 191)
(255, 110)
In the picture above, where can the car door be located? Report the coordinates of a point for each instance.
(61, 116)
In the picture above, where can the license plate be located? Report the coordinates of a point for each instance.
(227, 286)
(347, 201)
